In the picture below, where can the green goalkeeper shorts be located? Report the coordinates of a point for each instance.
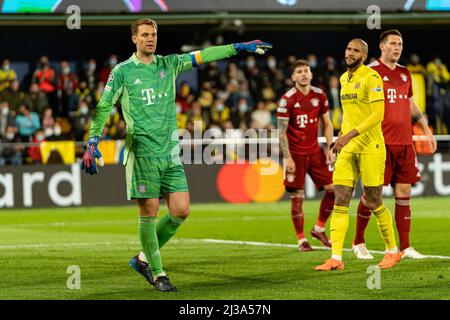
(152, 177)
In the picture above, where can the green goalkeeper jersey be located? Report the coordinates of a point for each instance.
(147, 96)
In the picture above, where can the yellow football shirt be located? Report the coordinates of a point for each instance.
(357, 95)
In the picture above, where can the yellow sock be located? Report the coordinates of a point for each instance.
(384, 224)
(338, 230)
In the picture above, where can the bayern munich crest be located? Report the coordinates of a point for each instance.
(404, 77)
(315, 102)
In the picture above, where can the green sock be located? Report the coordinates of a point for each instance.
(167, 227)
(149, 242)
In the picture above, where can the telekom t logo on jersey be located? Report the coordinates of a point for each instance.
(150, 96)
(392, 95)
(302, 120)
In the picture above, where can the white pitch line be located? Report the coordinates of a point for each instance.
(219, 241)
(270, 244)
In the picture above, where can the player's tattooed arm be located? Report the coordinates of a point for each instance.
(284, 144)
(418, 118)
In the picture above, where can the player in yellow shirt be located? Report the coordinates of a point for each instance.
(361, 154)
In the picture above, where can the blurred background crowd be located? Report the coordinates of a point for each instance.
(55, 101)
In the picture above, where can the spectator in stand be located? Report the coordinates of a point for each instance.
(34, 152)
(211, 73)
(7, 75)
(334, 100)
(67, 84)
(57, 134)
(6, 118)
(184, 97)
(273, 75)
(36, 99)
(330, 68)
(106, 70)
(90, 74)
(27, 123)
(80, 120)
(219, 112)
(438, 76)
(244, 93)
(261, 117)
(206, 99)
(195, 116)
(83, 93)
(48, 122)
(10, 154)
(13, 95)
(232, 73)
(45, 77)
(418, 76)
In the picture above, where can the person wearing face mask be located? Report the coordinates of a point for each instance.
(6, 118)
(90, 73)
(106, 70)
(45, 77)
(10, 154)
(34, 152)
(67, 83)
(7, 74)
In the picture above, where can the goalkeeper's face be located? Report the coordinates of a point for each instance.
(302, 76)
(145, 39)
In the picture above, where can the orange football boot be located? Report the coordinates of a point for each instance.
(330, 264)
(390, 260)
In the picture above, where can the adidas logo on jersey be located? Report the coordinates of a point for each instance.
(137, 81)
(297, 105)
(385, 78)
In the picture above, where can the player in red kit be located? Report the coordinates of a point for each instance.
(401, 170)
(299, 112)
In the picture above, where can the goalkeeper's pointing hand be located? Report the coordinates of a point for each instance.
(255, 46)
(89, 165)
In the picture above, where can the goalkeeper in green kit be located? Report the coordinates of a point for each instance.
(145, 86)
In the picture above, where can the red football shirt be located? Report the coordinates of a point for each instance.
(397, 115)
(303, 112)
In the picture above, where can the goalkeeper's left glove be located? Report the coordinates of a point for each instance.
(255, 46)
(89, 165)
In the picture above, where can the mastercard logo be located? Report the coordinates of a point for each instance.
(259, 182)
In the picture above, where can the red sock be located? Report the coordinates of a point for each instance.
(297, 216)
(326, 207)
(362, 220)
(403, 221)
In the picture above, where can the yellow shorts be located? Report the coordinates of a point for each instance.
(350, 166)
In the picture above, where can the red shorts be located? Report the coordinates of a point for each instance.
(314, 165)
(401, 165)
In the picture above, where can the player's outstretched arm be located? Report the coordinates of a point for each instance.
(216, 53)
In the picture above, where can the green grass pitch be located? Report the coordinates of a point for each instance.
(37, 246)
